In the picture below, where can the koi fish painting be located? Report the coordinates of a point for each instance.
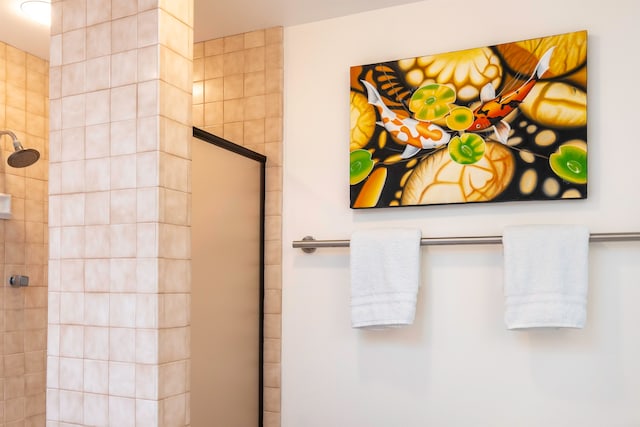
(492, 124)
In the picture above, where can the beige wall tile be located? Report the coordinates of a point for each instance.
(73, 78)
(96, 343)
(73, 15)
(254, 133)
(147, 352)
(98, 73)
(198, 69)
(120, 8)
(271, 399)
(198, 92)
(97, 174)
(172, 379)
(71, 406)
(254, 59)
(147, 204)
(71, 210)
(175, 104)
(123, 273)
(173, 344)
(147, 240)
(71, 377)
(72, 144)
(173, 410)
(147, 412)
(97, 141)
(124, 34)
(123, 172)
(73, 110)
(122, 411)
(233, 110)
(98, 11)
(148, 60)
(254, 83)
(148, 95)
(123, 207)
(97, 210)
(146, 381)
(197, 113)
(97, 108)
(122, 311)
(174, 172)
(72, 272)
(198, 52)
(73, 46)
(124, 68)
(233, 63)
(55, 50)
(123, 240)
(123, 103)
(96, 409)
(213, 47)
(175, 34)
(122, 379)
(214, 90)
(213, 66)
(172, 134)
(98, 40)
(71, 242)
(175, 68)
(174, 241)
(271, 419)
(96, 310)
(234, 132)
(274, 35)
(123, 137)
(255, 107)
(122, 343)
(174, 275)
(147, 133)
(254, 39)
(71, 341)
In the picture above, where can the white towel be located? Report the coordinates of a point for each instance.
(385, 271)
(545, 276)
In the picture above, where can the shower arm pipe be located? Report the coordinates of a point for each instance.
(308, 244)
(16, 143)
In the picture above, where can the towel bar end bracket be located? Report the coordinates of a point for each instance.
(308, 250)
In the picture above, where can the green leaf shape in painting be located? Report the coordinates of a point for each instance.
(467, 148)
(570, 164)
(431, 102)
(459, 118)
(361, 166)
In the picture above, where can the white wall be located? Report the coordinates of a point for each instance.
(457, 365)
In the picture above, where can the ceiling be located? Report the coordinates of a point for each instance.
(213, 18)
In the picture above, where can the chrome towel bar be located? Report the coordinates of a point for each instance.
(308, 244)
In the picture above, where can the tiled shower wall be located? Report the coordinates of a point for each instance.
(23, 240)
(237, 95)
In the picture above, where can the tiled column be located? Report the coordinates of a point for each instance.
(119, 271)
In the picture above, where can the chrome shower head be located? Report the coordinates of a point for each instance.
(22, 157)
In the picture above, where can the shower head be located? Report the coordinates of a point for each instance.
(22, 157)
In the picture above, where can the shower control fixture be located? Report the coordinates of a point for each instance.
(17, 281)
(22, 157)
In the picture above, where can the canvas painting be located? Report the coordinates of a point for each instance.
(490, 124)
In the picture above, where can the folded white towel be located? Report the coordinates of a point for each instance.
(385, 271)
(546, 275)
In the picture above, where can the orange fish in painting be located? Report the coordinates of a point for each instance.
(494, 108)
